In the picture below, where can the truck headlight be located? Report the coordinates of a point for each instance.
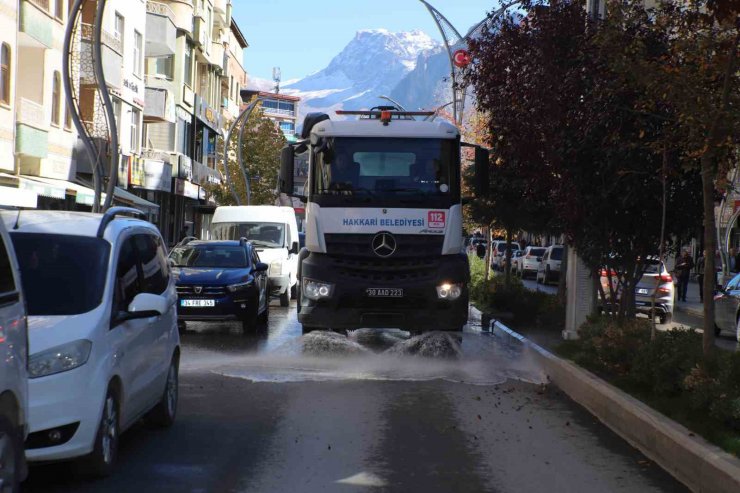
(276, 268)
(59, 359)
(238, 287)
(317, 290)
(449, 291)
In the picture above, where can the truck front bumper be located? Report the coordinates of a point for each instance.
(419, 309)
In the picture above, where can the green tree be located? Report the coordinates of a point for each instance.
(261, 145)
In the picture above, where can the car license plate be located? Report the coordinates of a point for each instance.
(642, 291)
(384, 292)
(198, 303)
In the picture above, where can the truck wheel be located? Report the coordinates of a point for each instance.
(294, 291)
(285, 298)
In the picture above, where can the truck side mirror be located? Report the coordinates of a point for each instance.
(287, 164)
(481, 172)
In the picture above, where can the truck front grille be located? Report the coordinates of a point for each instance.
(407, 246)
(379, 270)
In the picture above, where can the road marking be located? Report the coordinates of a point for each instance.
(364, 479)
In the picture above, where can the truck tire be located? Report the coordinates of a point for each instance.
(285, 297)
(294, 291)
(307, 329)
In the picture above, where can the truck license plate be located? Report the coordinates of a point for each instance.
(384, 292)
(198, 303)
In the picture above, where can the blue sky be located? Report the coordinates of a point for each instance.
(302, 36)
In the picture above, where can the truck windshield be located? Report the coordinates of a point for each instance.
(390, 168)
(268, 235)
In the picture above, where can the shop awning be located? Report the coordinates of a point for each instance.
(53, 191)
(83, 195)
(16, 197)
(129, 198)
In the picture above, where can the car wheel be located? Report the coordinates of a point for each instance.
(547, 276)
(249, 322)
(265, 314)
(285, 298)
(165, 411)
(717, 330)
(294, 291)
(665, 318)
(102, 459)
(11, 460)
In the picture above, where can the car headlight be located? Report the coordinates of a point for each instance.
(59, 359)
(239, 286)
(317, 290)
(276, 268)
(449, 291)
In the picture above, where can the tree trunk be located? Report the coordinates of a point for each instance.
(710, 244)
(487, 257)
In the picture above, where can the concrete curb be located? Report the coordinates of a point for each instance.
(689, 310)
(692, 460)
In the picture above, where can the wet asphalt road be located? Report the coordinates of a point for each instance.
(273, 412)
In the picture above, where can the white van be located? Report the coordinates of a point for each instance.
(273, 230)
(13, 374)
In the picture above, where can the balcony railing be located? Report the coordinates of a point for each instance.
(276, 111)
(107, 38)
(31, 113)
(42, 4)
(160, 9)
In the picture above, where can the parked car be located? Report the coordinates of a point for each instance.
(273, 231)
(656, 280)
(549, 268)
(103, 340)
(529, 262)
(727, 309)
(498, 252)
(13, 374)
(516, 260)
(221, 280)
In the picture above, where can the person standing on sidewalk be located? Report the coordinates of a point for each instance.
(684, 264)
(700, 274)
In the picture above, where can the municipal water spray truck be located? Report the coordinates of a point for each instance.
(384, 225)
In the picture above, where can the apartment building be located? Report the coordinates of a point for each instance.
(234, 76)
(280, 108)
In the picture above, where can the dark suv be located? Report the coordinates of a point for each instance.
(220, 280)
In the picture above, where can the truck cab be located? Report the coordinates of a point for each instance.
(384, 245)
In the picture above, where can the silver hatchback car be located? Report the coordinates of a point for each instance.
(727, 309)
(655, 281)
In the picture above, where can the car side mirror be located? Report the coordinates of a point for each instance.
(146, 305)
(294, 248)
(261, 267)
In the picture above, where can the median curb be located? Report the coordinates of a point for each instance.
(692, 460)
(689, 310)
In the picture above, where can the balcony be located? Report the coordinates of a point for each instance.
(217, 55)
(182, 10)
(222, 11)
(35, 21)
(112, 59)
(200, 31)
(161, 30)
(32, 137)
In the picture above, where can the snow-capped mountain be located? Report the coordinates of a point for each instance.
(373, 64)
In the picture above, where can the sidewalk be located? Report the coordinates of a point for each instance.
(692, 306)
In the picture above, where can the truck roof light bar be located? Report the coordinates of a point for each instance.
(111, 214)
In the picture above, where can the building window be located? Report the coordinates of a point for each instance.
(135, 116)
(5, 74)
(117, 113)
(59, 9)
(138, 52)
(288, 128)
(161, 67)
(56, 98)
(118, 28)
(67, 117)
(188, 65)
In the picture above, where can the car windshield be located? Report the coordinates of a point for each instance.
(61, 274)
(652, 267)
(223, 256)
(268, 235)
(537, 252)
(557, 254)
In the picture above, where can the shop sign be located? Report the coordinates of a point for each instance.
(136, 172)
(157, 176)
(185, 169)
(202, 193)
(186, 189)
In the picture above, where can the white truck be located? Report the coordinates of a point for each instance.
(273, 230)
(384, 244)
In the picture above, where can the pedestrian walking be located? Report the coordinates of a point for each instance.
(700, 274)
(684, 264)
